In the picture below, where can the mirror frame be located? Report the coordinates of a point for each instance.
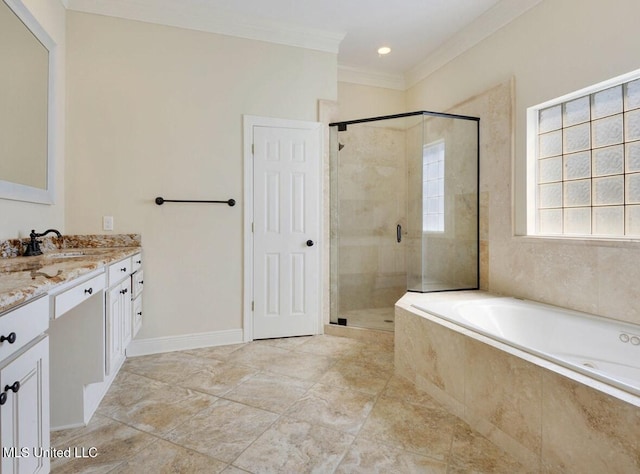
(21, 192)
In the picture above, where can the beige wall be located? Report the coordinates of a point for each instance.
(358, 101)
(157, 111)
(18, 218)
(555, 48)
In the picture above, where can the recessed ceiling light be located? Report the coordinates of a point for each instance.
(384, 50)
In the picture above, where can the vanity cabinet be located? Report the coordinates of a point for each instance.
(24, 388)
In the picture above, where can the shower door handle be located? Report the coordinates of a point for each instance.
(399, 233)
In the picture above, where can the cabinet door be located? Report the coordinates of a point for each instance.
(24, 415)
(114, 320)
(137, 314)
(127, 323)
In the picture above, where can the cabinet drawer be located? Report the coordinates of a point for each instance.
(72, 297)
(136, 262)
(119, 271)
(137, 282)
(24, 324)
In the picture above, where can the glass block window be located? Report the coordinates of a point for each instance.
(433, 187)
(584, 152)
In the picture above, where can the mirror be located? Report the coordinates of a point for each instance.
(26, 112)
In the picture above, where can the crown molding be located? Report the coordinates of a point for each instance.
(371, 78)
(205, 19)
(491, 21)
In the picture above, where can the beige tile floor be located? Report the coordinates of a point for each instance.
(320, 404)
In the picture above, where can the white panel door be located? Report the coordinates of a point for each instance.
(286, 255)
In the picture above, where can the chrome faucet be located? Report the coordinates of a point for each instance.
(33, 247)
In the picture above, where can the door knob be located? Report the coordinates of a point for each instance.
(309, 243)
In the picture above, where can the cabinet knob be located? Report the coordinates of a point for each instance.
(310, 243)
(14, 388)
(3, 398)
(123, 269)
(139, 313)
(11, 338)
(123, 292)
(138, 261)
(89, 291)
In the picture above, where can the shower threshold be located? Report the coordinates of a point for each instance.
(381, 319)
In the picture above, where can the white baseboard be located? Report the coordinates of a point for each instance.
(156, 345)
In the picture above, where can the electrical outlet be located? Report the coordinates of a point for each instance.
(107, 222)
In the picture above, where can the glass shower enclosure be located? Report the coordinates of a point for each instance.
(404, 199)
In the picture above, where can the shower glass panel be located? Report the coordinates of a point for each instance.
(404, 212)
(443, 206)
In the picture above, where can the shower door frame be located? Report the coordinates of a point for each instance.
(343, 126)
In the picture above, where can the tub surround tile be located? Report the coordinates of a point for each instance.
(164, 457)
(586, 431)
(223, 431)
(532, 409)
(618, 297)
(484, 265)
(595, 276)
(565, 267)
(471, 452)
(295, 446)
(434, 352)
(492, 378)
(365, 457)
(406, 356)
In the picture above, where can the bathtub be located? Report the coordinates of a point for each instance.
(598, 348)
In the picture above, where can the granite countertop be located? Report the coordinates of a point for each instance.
(24, 278)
